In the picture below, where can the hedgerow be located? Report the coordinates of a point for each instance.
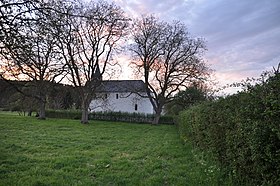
(242, 131)
(109, 116)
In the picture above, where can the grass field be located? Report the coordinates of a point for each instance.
(64, 152)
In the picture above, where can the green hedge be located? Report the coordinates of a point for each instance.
(65, 114)
(109, 116)
(242, 130)
(129, 117)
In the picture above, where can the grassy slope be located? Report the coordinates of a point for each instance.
(64, 152)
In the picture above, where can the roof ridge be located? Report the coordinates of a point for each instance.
(124, 80)
(121, 86)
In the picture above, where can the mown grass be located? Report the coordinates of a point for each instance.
(64, 152)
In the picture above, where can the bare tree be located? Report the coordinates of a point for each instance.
(28, 48)
(89, 35)
(168, 57)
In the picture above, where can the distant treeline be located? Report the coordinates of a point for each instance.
(18, 96)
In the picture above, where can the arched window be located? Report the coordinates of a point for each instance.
(117, 96)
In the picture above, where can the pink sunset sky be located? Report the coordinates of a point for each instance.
(243, 36)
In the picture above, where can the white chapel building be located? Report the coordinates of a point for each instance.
(121, 96)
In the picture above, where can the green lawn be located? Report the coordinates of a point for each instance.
(64, 152)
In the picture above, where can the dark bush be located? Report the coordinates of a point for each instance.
(65, 114)
(242, 130)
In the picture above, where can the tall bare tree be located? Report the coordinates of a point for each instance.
(168, 57)
(89, 35)
(28, 47)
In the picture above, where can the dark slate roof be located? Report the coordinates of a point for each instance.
(121, 86)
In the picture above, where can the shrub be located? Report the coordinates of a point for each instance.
(65, 114)
(242, 130)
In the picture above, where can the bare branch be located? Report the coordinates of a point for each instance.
(169, 58)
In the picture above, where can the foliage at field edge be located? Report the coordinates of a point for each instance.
(242, 130)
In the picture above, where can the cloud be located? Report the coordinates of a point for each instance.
(263, 47)
(168, 10)
(242, 36)
(225, 22)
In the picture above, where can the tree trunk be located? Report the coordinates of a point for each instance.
(156, 119)
(157, 116)
(85, 106)
(29, 113)
(42, 111)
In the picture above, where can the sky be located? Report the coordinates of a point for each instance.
(242, 36)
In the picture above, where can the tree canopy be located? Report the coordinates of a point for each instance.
(168, 57)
